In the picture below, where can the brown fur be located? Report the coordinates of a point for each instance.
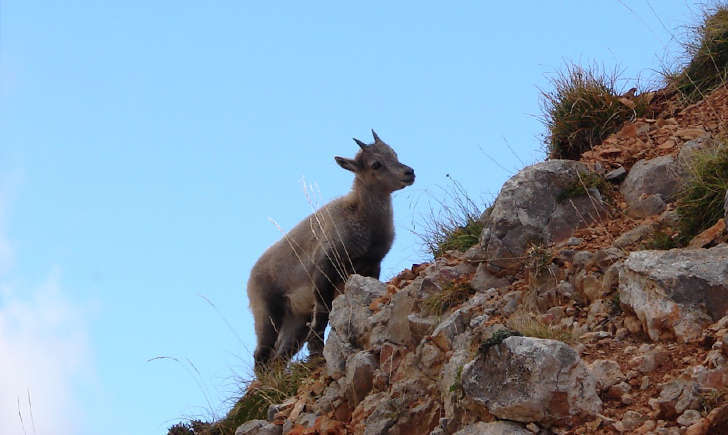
(294, 282)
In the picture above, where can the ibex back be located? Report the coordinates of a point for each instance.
(294, 282)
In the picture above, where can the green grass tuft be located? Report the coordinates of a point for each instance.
(455, 225)
(661, 241)
(584, 108)
(700, 202)
(707, 68)
(496, 339)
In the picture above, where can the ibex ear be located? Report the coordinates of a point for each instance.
(348, 164)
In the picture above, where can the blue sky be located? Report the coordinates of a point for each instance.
(144, 150)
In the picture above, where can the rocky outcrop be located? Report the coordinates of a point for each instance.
(676, 293)
(532, 207)
(531, 380)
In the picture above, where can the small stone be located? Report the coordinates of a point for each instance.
(645, 384)
(616, 175)
(627, 399)
(533, 427)
(632, 420)
(689, 417)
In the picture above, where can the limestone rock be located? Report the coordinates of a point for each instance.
(494, 428)
(527, 210)
(650, 185)
(359, 373)
(258, 427)
(676, 292)
(336, 351)
(677, 396)
(531, 380)
(350, 314)
(606, 373)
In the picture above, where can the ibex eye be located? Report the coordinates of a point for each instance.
(376, 165)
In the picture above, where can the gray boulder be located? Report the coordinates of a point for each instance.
(531, 380)
(676, 293)
(650, 185)
(494, 428)
(529, 210)
(258, 427)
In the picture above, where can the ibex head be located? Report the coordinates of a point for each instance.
(377, 166)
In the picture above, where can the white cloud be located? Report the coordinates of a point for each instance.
(44, 352)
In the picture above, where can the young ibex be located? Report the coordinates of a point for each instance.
(294, 282)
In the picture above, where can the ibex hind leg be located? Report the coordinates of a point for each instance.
(291, 336)
(268, 315)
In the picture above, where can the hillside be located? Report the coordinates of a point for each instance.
(595, 299)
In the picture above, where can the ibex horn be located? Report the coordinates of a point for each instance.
(361, 144)
(376, 138)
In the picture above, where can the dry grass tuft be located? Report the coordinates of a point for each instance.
(584, 108)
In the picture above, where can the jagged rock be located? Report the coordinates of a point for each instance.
(360, 369)
(391, 322)
(510, 301)
(676, 292)
(632, 420)
(421, 327)
(384, 417)
(604, 258)
(606, 373)
(649, 358)
(582, 259)
(634, 235)
(716, 422)
(484, 280)
(689, 417)
(650, 185)
(450, 382)
(710, 237)
(445, 332)
(350, 313)
(258, 427)
(336, 351)
(531, 380)
(676, 396)
(494, 428)
(527, 210)
(589, 285)
(330, 399)
(616, 175)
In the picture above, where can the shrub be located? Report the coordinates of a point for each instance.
(455, 225)
(661, 241)
(700, 201)
(452, 294)
(707, 50)
(584, 108)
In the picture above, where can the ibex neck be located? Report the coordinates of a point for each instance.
(372, 201)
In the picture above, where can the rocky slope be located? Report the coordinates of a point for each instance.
(631, 340)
